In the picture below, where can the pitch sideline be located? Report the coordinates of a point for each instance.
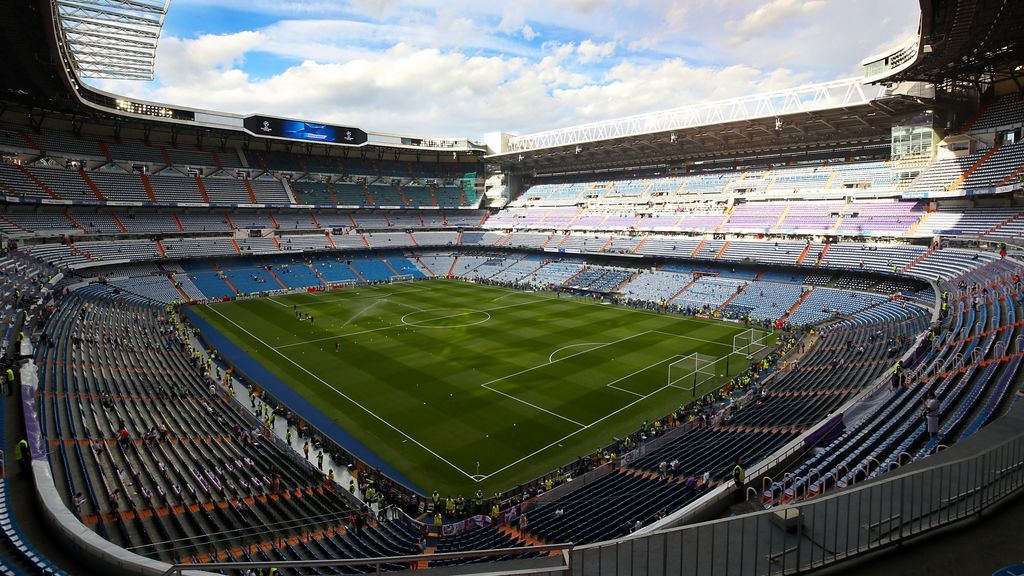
(481, 477)
(350, 399)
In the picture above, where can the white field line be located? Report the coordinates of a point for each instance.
(530, 369)
(717, 342)
(690, 389)
(512, 294)
(640, 398)
(571, 434)
(676, 317)
(582, 426)
(391, 326)
(416, 308)
(623, 390)
(347, 397)
(480, 478)
(551, 356)
(613, 383)
(487, 384)
(343, 295)
(532, 405)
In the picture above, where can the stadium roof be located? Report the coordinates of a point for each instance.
(838, 113)
(959, 42)
(111, 38)
(51, 43)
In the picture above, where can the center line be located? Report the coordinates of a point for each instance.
(392, 326)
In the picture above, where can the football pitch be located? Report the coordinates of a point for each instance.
(461, 386)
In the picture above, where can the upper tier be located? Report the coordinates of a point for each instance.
(112, 184)
(52, 166)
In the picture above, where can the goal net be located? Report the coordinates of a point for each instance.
(343, 284)
(749, 342)
(402, 278)
(689, 372)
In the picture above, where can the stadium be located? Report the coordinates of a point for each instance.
(772, 334)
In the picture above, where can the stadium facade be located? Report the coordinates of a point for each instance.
(873, 226)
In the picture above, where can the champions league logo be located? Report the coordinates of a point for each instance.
(301, 130)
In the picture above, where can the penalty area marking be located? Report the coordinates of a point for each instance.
(551, 357)
(640, 397)
(582, 426)
(571, 434)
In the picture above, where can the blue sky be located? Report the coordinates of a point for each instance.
(463, 68)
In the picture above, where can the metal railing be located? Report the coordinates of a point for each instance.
(817, 533)
(792, 539)
(562, 551)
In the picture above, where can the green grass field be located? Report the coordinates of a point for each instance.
(438, 376)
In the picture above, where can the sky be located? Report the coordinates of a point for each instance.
(460, 68)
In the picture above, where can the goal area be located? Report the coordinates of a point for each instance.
(693, 370)
(749, 342)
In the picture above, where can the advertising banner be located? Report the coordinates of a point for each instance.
(304, 131)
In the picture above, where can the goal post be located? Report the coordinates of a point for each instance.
(693, 370)
(402, 278)
(749, 342)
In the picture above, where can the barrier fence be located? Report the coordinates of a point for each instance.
(784, 540)
(817, 533)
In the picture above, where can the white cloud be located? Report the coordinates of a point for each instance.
(774, 13)
(633, 89)
(675, 16)
(589, 51)
(411, 90)
(585, 6)
(408, 66)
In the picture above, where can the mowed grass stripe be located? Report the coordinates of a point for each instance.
(427, 381)
(576, 386)
(421, 319)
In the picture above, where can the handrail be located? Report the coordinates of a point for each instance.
(846, 475)
(983, 479)
(807, 487)
(378, 561)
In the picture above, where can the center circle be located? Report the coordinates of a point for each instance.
(445, 318)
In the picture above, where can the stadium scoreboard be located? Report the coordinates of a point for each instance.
(304, 131)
